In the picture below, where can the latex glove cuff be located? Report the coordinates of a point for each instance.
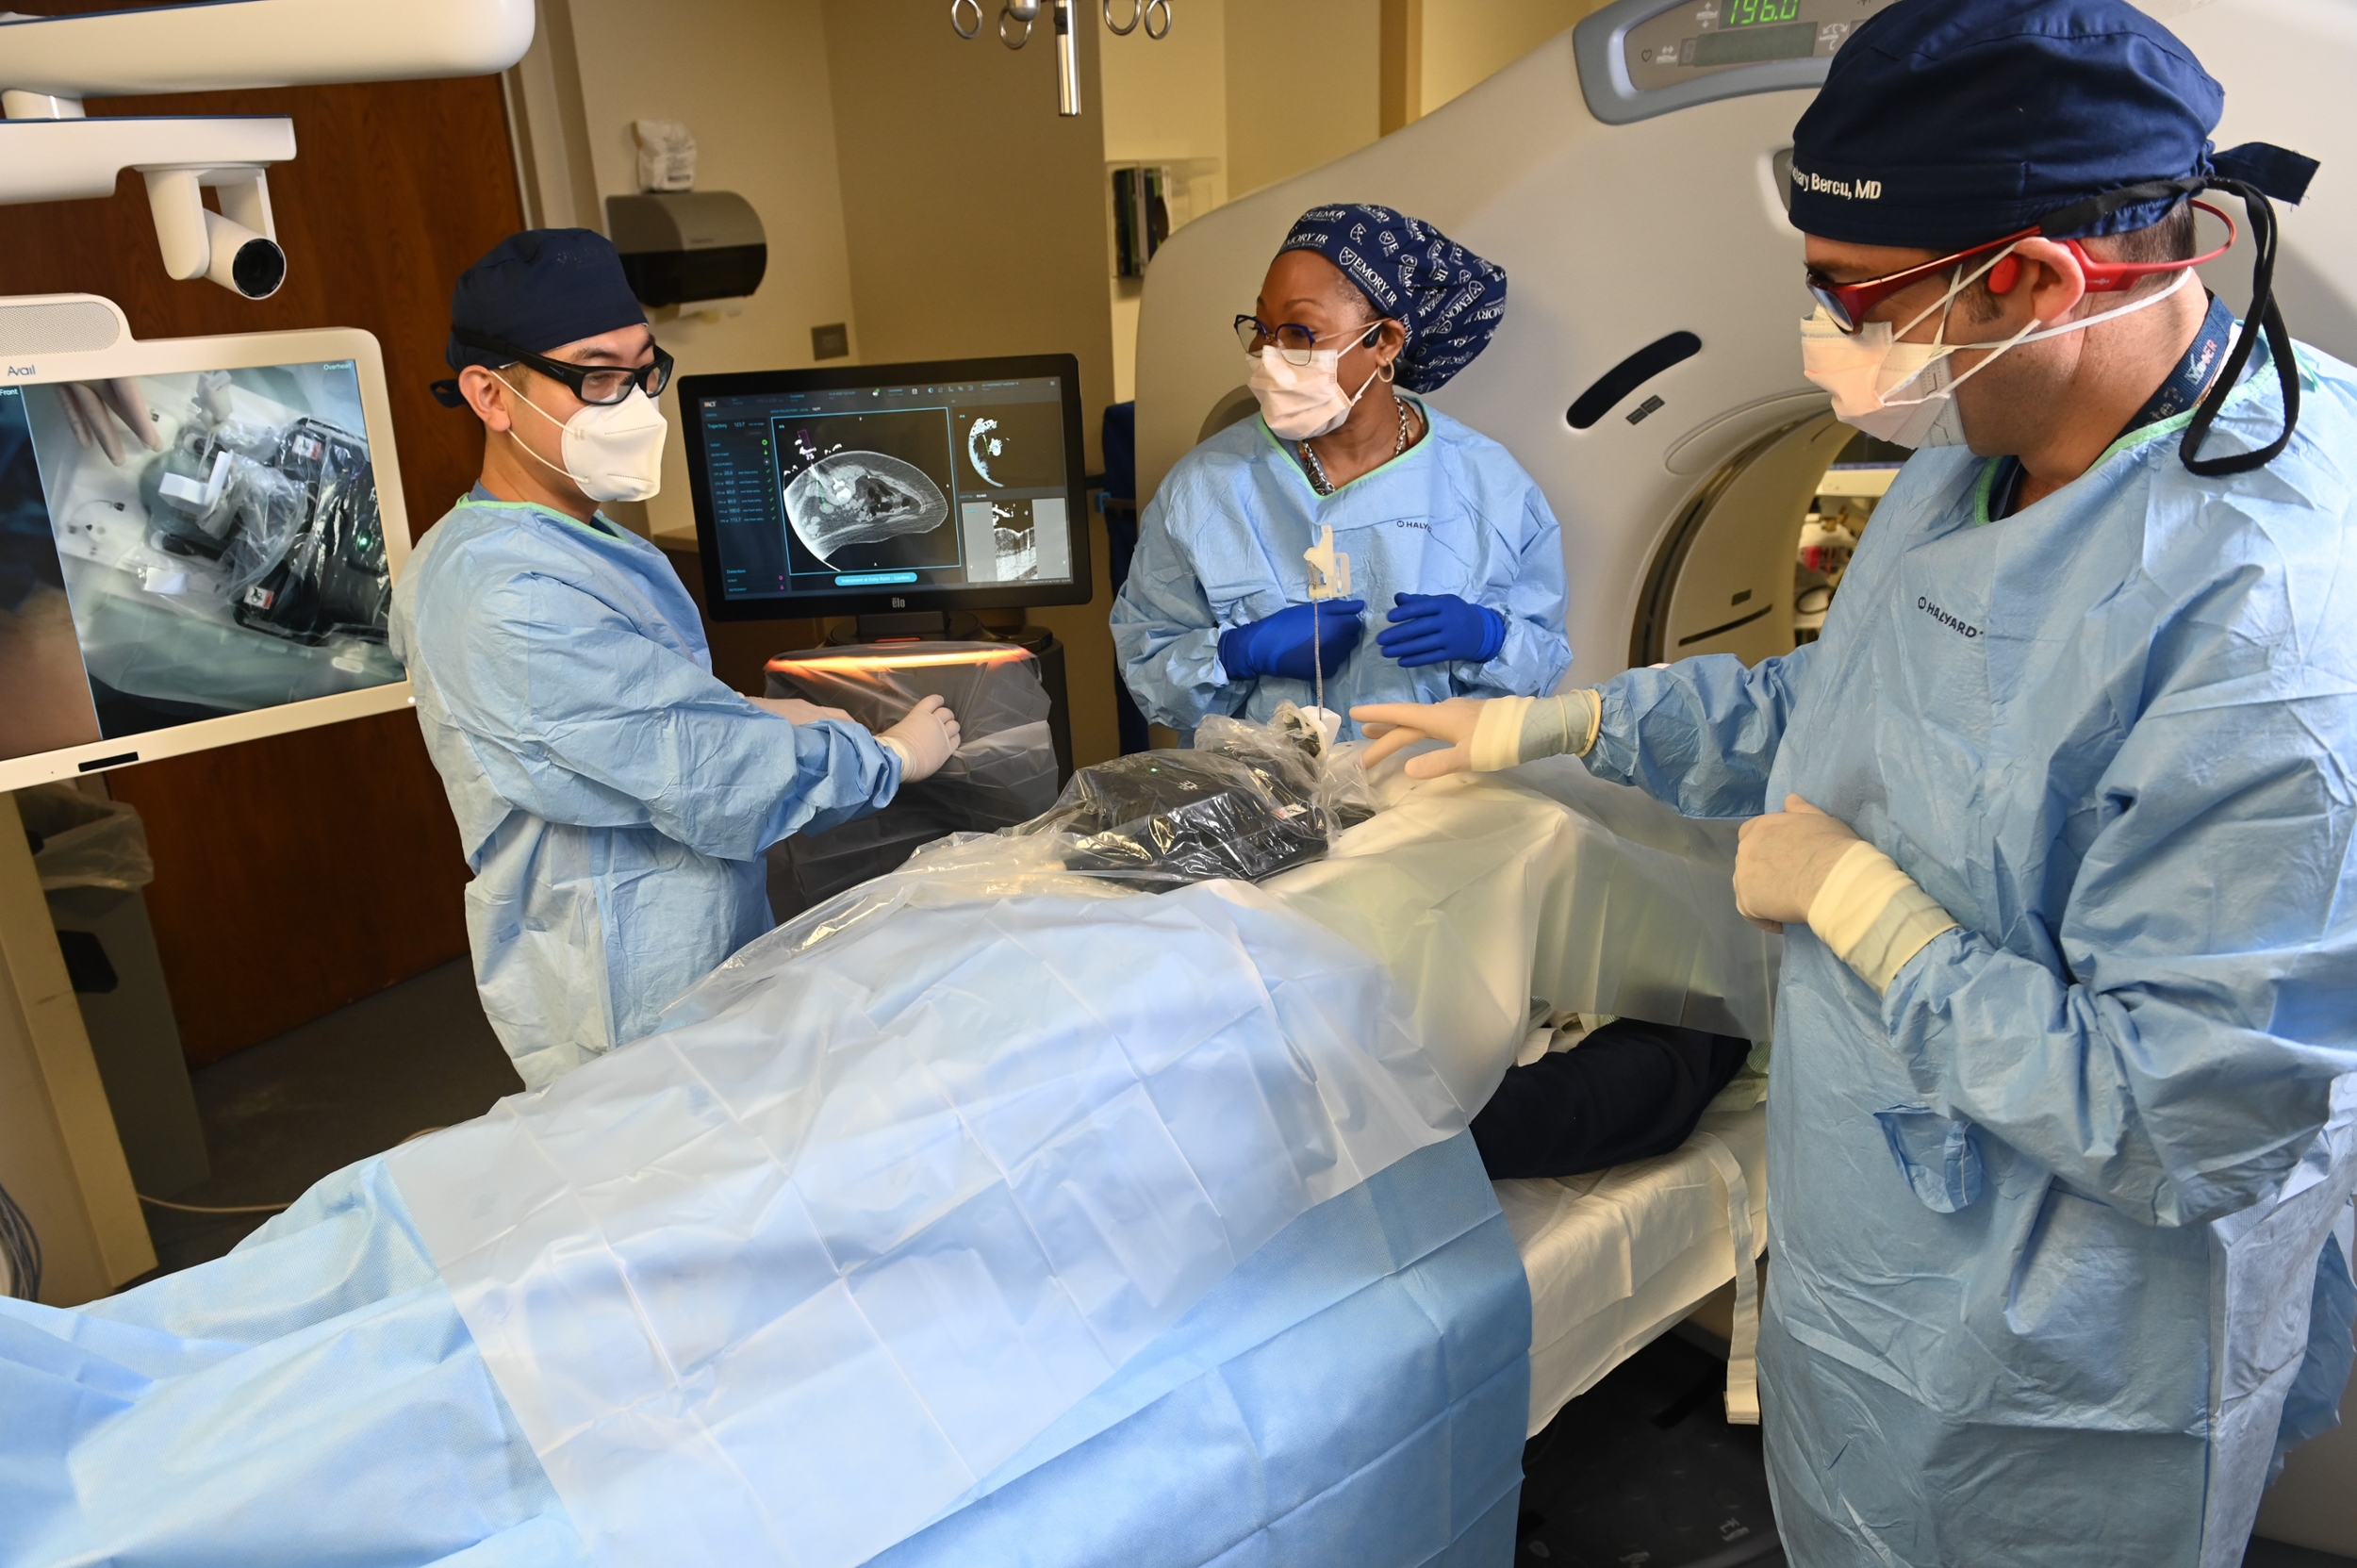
(896, 750)
(1873, 915)
(1514, 730)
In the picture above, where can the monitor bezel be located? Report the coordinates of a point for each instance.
(129, 357)
(693, 390)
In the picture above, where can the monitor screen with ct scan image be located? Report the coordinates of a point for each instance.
(949, 485)
(195, 545)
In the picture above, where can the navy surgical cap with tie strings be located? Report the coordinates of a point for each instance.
(1945, 124)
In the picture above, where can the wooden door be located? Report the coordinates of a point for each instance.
(300, 873)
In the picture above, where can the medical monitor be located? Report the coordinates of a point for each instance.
(198, 537)
(871, 489)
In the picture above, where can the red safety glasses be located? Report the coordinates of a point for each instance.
(1849, 303)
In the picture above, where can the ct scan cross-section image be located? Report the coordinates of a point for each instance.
(868, 491)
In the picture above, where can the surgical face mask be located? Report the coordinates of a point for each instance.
(1905, 393)
(613, 451)
(1303, 401)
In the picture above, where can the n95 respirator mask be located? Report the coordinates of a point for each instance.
(613, 451)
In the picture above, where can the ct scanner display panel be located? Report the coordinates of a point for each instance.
(1691, 39)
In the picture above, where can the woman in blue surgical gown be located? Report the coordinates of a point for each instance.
(1456, 562)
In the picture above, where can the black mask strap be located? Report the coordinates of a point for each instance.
(2253, 171)
(2268, 320)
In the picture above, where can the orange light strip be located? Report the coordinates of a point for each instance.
(857, 662)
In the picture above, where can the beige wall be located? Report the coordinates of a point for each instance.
(1304, 86)
(749, 77)
(1165, 101)
(975, 222)
(1467, 41)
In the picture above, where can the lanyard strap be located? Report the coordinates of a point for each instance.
(2181, 391)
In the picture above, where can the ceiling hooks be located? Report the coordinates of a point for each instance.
(1155, 15)
(1025, 12)
(1152, 16)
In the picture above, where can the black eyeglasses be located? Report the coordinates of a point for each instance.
(592, 384)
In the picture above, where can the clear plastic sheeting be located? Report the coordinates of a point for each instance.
(1004, 773)
(1481, 892)
(1243, 804)
(780, 1283)
(85, 840)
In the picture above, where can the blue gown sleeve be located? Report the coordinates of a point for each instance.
(1702, 734)
(1165, 633)
(578, 717)
(2184, 1060)
(1537, 652)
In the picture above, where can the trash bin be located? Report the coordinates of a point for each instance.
(1005, 771)
(92, 856)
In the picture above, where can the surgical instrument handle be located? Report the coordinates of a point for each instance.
(974, 6)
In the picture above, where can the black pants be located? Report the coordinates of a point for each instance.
(1627, 1092)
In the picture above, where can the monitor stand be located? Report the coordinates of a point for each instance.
(918, 626)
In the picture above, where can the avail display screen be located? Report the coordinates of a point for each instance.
(920, 489)
(182, 547)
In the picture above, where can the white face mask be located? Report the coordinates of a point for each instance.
(1905, 393)
(1303, 401)
(613, 451)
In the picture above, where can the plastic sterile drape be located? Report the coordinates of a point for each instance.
(780, 1283)
(1003, 772)
(888, 1242)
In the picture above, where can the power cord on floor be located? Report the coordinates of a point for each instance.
(183, 1208)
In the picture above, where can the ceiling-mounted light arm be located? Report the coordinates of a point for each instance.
(237, 247)
(51, 150)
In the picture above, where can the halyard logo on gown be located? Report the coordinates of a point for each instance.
(1945, 618)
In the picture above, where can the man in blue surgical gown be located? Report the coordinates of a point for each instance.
(2065, 843)
(613, 799)
(1456, 563)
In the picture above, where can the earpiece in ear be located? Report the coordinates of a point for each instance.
(2002, 276)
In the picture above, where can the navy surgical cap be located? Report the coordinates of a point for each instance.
(1945, 124)
(538, 291)
(1447, 299)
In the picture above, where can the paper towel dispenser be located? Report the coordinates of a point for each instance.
(682, 246)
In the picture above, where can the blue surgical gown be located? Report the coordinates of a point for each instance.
(2046, 1218)
(1220, 545)
(613, 796)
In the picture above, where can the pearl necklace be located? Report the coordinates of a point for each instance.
(1324, 486)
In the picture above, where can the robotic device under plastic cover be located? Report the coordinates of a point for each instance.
(1632, 185)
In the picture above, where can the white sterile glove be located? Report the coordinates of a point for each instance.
(1483, 735)
(925, 740)
(794, 711)
(1800, 865)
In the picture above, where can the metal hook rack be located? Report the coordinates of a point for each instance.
(1153, 15)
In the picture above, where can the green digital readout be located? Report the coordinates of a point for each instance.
(1790, 41)
(1750, 13)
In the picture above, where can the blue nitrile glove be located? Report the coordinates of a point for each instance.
(1280, 644)
(1441, 628)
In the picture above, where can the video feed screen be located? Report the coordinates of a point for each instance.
(963, 486)
(183, 547)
